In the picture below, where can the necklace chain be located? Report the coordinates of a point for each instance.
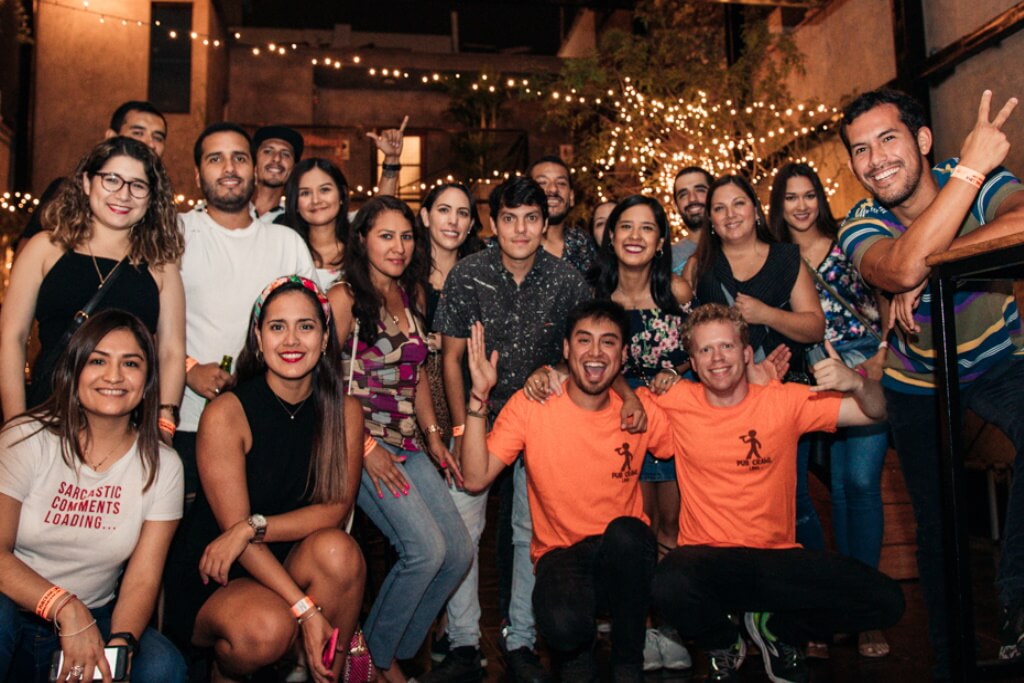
(284, 406)
(96, 265)
(96, 467)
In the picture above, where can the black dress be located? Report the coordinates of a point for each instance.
(66, 289)
(276, 474)
(772, 285)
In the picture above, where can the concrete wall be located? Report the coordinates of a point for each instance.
(85, 68)
(955, 100)
(847, 47)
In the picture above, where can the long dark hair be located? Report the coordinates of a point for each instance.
(155, 240)
(366, 301)
(710, 244)
(472, 243)
(604, 276)
(62, 413)
(326, 477)
(294, 219)
(825, 223)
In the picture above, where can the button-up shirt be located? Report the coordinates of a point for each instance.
(524, 323)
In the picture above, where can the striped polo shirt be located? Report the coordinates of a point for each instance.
(988, 327)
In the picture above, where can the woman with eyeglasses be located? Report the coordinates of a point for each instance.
(110, 241)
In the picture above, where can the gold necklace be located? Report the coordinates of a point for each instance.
(96, 265)
(110, 453)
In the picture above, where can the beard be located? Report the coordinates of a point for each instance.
(694, 222)
(225, 200)
(588, 388)
(897, 195)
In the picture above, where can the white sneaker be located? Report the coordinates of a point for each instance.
(652, 653)
(674, 654)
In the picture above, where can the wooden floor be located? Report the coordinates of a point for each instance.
(908, 663)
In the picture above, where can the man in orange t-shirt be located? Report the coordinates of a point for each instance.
(737, 549)
(592, 546)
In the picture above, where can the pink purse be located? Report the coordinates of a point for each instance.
(359, 663)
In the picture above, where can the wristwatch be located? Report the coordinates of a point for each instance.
(259, 525)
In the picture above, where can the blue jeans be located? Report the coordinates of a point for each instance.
(522, 631)
(27, 646)
(856, 455)
(464, 606)
(434, 554)
(996, 397)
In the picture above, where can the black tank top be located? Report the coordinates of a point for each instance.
(772, 285)
(67, 288)
(276, 467)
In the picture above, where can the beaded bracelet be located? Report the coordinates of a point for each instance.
(310, 614)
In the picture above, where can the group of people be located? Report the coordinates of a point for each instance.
(644, 410)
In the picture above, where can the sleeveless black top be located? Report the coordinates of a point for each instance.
(772, 285)
(66, 289)
(276, 467)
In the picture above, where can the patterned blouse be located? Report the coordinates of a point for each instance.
(655, 344)
(841, 327)
(383, 377)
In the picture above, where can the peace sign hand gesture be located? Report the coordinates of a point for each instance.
(390, 141)
(986, 145)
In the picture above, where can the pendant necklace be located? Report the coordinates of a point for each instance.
(292, 413)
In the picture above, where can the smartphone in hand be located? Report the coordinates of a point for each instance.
(330, 649)
(117, 660)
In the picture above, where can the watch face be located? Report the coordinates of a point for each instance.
(259, 520)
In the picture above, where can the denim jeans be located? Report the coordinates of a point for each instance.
(856, 455)
(464, 605)
(996, 397)
(434, 554)
(607, 574)
(27, 646)
(811, 594)
(521, 629)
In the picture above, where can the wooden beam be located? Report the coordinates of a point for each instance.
(941, 65)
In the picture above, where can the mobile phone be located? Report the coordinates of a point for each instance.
(330, 649)
(117, 659)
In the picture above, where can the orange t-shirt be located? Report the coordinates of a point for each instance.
(582, 470)
(736, 466)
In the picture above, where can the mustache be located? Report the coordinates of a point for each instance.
(693, 205)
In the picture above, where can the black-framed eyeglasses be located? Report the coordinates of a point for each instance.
(112, 183)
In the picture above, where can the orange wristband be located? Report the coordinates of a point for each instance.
(302, 606)
(968, 175)
(369, 445)
(458, 430)
(190, 363)
(166, 425)
(45, 602)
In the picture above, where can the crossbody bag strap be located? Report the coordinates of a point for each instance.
(842, 301)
